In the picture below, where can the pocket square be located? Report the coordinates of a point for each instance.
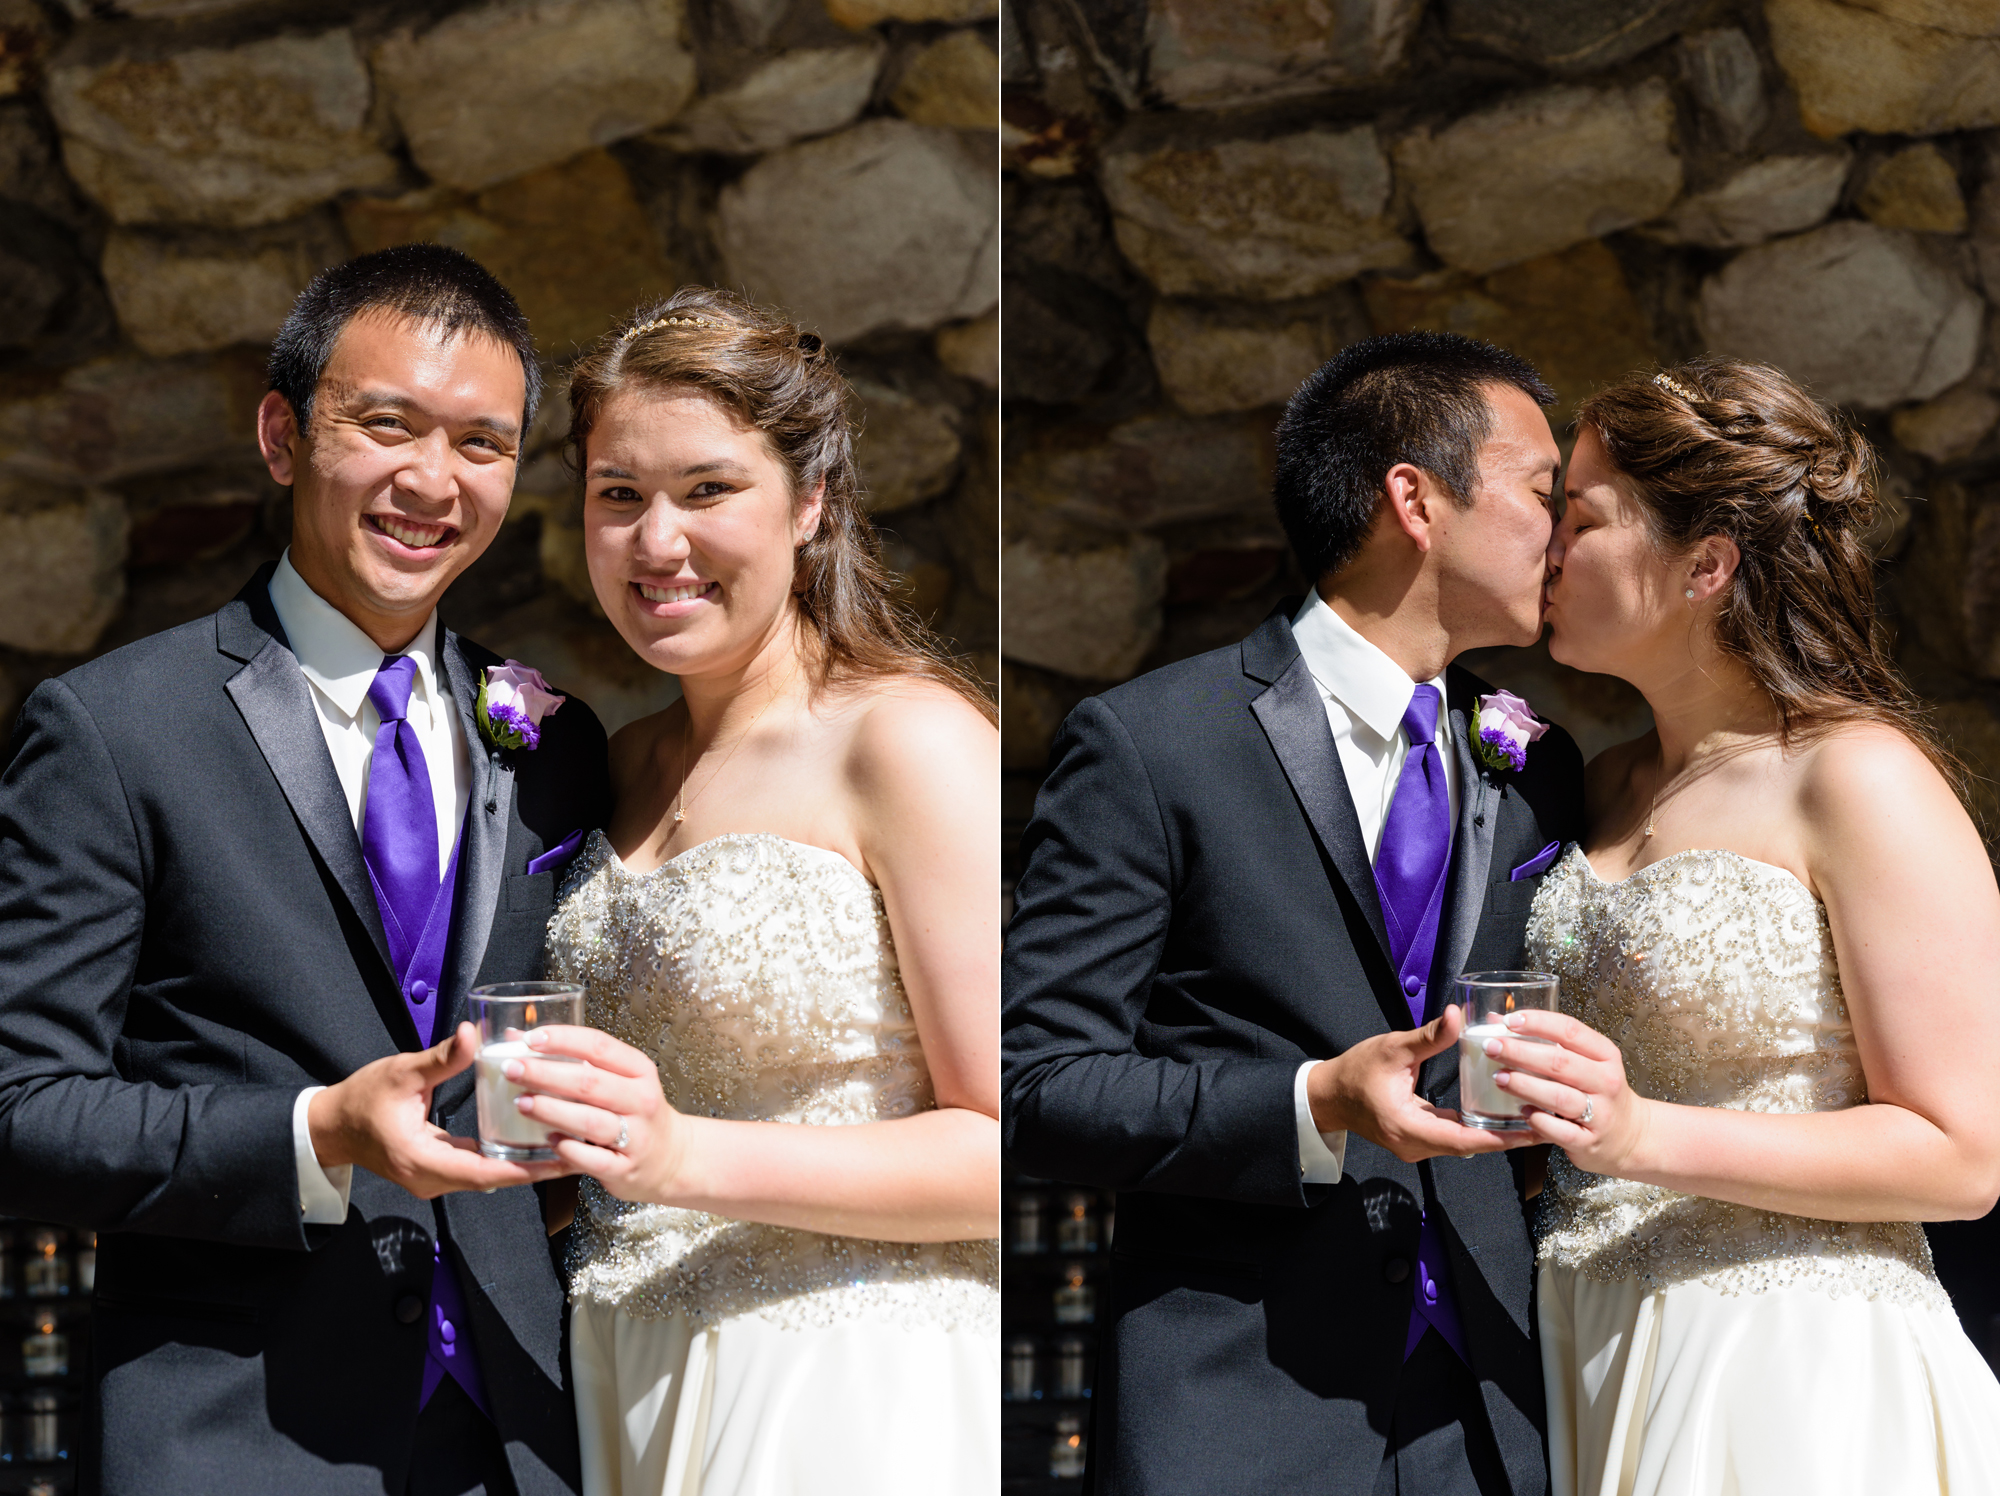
(1539, 863)
(557, 855)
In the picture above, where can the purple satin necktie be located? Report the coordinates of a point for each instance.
(1410, 869)
(399, 826)
(399, 844)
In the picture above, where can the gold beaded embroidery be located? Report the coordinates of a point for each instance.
(1715, 975)
(759, 975)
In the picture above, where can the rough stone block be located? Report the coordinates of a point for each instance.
(503, 89)
(1542, 171)
(224, 136)
(526, 232)
(119, 417)
(1778, 195)
(1215, 358)
(1858, 313)
(886, 225)
(1268, 220)
(1218, 53)
(1949, 427)
(1856, 68)
(31, 288)
(25, 38)
(1153, 471)
(971, 350)
(1727, 81)
(907, 449)
(189, 292)
(953, 82)
(793, 96)
(1572, 315)
(63, 552)
(858, 15)
(1092, 614)
(1916, 188)
(1566, 36)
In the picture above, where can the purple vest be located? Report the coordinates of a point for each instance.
(419, 963)
(1432, 1303)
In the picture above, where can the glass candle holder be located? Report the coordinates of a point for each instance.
(1025, 1236)
(1075, 1299)
(41, 1440)
(86, 1262)
(1076, 1227)
(1066, 1453)
(45, 1273)
(505, 1014)
(45, 1349)
(1487, 997)
(1072, 1373)
(1021, 1384)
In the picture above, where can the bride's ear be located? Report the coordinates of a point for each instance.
(1714, 567)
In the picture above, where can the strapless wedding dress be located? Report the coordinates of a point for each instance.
(716, 1357)
(1696, 1348)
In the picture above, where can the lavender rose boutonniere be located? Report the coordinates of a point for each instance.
(1504, 727)
(512, 702)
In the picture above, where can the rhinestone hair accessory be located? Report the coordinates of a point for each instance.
(1667, 381)
(632, 332)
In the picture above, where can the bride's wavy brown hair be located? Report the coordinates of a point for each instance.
(757, 363)
(1719, 447)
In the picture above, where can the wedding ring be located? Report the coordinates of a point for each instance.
(624, 1136)
(1589, 1111)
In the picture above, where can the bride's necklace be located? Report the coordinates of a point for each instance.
(681, 802)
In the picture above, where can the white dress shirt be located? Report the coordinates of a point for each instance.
(340, 662)
(1365, 694)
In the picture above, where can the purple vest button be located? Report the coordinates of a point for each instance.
(419, 991)
(448, 1333)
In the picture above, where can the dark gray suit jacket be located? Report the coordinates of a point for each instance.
(1197, 917)
(187, 938)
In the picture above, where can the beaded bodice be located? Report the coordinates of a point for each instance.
(759, 975)
(1715, 975)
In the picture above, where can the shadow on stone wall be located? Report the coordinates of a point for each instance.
(1203, 200)
(173, 171)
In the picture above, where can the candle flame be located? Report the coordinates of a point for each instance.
(529, 1016)
(1509, 1000)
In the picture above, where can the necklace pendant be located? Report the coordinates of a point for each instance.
(678, 818)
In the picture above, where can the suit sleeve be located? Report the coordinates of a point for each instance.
(1080, 1099)
(78, 1142)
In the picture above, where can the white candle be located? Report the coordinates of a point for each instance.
(1481, 1102)
(501, 1122)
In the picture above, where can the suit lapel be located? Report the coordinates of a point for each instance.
(275, 700)
(483, 852)
(1294, 720)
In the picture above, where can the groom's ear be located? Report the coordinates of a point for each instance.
(278, 437)
(1410, 499)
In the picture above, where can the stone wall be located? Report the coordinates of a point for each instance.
(1203, 199)
(173, 171)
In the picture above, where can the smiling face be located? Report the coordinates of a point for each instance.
(1614, 599)
(1491, 555)
(691, 530)
(405, 475)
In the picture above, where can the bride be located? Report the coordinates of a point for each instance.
(783, 1272)
(1778, 948)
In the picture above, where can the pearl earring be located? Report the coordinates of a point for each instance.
(1690, 594)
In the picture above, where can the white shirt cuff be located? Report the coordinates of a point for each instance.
(322, 1192)
(1322, 1155)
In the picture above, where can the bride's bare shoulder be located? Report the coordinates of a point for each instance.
(1869, 787)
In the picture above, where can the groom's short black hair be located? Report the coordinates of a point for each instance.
(429, 283)
(1415, 397)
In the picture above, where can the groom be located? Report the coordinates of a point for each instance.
(248, 870)
(1250, 879)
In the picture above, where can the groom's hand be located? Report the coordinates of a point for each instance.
(1371, 1089)
(379, 1118)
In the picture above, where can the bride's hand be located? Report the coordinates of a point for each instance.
(611, 1119)
(1581, 1075)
